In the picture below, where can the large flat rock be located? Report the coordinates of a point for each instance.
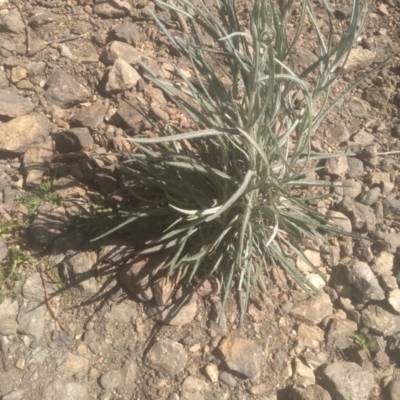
(20, 133)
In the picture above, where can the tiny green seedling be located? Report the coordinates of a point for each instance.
(44, 192)
(7, 227)
(8, 270)
(362, 341)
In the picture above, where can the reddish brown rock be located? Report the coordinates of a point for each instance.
(242, 355)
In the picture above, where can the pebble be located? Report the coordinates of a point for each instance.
(355, 168)
(167, 357)
(193, 388)
(111, 380)
(242, 356)
(371, 196)
(303, 375)
(211, 371)
(383, 263)
(313, 310)
(381, 321)
(336, 166)
(228, 379)
(363, 282)
(121, 77)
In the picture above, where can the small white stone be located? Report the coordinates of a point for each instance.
(212, 372)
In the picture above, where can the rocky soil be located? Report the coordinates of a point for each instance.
(79, 320)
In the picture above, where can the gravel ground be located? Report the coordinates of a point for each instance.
(75, 323)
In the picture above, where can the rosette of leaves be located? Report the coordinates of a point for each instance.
(232, 193)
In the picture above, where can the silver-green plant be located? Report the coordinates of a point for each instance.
(233, 192)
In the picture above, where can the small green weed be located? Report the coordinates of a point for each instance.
(362, 340)
(6, 227)
(9, 269)
(44, 192)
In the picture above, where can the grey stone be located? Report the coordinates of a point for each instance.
(61, 390)
(121, 77)
(167, 357)
(74, 139)
(127, 32)
(79, 271)
(364, 138)
(35, 68)
(22, 132)
(338, 334)
(110, 380)
(348, 381)
(48, 223)
(364, 283)
(351, 188)
(129, 114)
(12, 105)
(4, 84)
(371, 196)
(358, 108)
(392, 242)
(340, 133)
(228, 379)
(12, 22)
(242, 356)
(355, 168)
(381, 321)
(391, 207)
(31, 320)
(313, 310)
(362, 217)
(312, 392)
(370, 155)
(90, 117)
(116, 50)
(64, 91)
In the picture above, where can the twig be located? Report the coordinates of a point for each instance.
(28, 34)
(46, 295)
(3, 348)
(67, 39)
